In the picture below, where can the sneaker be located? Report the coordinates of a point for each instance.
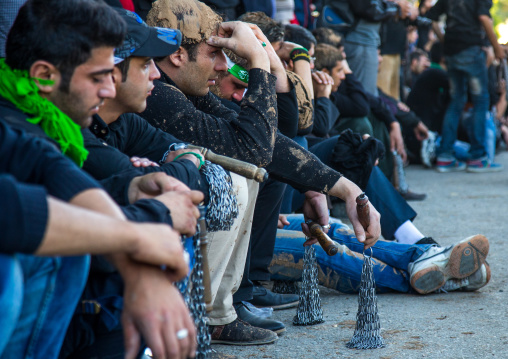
(434, 267)
(449, 165)
(241, 333)
(428, 150)
(475, 281)
(483, 164)
(265, 323)
(262, 297)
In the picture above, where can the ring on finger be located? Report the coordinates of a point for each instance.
(182, 334)
(327, 226)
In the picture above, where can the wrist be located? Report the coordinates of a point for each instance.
(299, 53)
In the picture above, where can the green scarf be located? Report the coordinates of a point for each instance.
(19, 88)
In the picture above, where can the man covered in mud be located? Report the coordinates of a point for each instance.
(182, 105)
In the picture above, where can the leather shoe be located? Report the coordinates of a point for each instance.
(247, 316)
(263, 297)
(412, 196)
(240, 333)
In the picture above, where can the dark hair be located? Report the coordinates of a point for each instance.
(326, 35)
(272, 29)
(327, 57)
(63, 33)
(124, 67)
(436, 52)
(299, 35)
(416, 55)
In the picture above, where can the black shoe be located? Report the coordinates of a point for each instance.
(241, 333)
(263, 297)
(247, 316)
(412, 196)
(428, 240)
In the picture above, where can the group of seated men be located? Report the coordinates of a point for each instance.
(107, 182)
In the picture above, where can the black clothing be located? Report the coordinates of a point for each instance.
(112, 146)
(430, 97)
(325, 116)
(30, 170)
(287, 108)
(379, 109)
(393, 37)
(373, 11)
(463, 27)
(351, 98)
(249, 135)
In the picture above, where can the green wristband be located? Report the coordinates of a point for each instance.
(198, 156)
(299, 53)
(239, 72)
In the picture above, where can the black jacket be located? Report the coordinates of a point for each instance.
(250, 135)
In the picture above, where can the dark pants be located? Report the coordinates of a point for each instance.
(384, 197)
(262, 239)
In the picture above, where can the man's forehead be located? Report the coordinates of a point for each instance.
(100, 59)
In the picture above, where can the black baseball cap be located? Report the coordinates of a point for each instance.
(143, 40)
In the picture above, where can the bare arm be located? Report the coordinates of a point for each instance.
(486, 22)
(437, 31)
(72, 230)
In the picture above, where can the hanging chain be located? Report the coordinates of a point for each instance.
(223, 206)
(309, 309)
(367, 332)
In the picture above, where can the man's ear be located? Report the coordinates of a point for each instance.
(179, 57)
(43, 70)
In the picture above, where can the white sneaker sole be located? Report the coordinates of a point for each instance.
(466, 257)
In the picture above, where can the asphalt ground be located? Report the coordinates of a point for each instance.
(444, 325)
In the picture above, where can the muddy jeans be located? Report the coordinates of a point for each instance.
(343, 271)
(227, 251)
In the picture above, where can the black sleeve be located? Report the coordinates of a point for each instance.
(437, 10)
(351, 99)
(33, 160)
(373, 10)
(105, 161)
(148, 210)
(287, 105)
(379, 109)
(325, 115)
(296, 166)
(247, 136)
(23, 215)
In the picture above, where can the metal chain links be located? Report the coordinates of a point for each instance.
(193, 291)
(223, 206)
(285, 287)
(367, 332)
(309, 311)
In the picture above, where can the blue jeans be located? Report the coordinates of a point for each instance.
(49, 289)
(343, 271)
(467, 70)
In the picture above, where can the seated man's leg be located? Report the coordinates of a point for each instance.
(394, 209)
(52, 287)
(227, 252)
(342, 271)
(11, 297)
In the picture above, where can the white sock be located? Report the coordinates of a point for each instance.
(407, 233)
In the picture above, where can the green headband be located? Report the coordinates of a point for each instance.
(239, 72)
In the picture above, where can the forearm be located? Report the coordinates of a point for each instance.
(75, 231)
(99, 201)
(302, 68)
(486, 22)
